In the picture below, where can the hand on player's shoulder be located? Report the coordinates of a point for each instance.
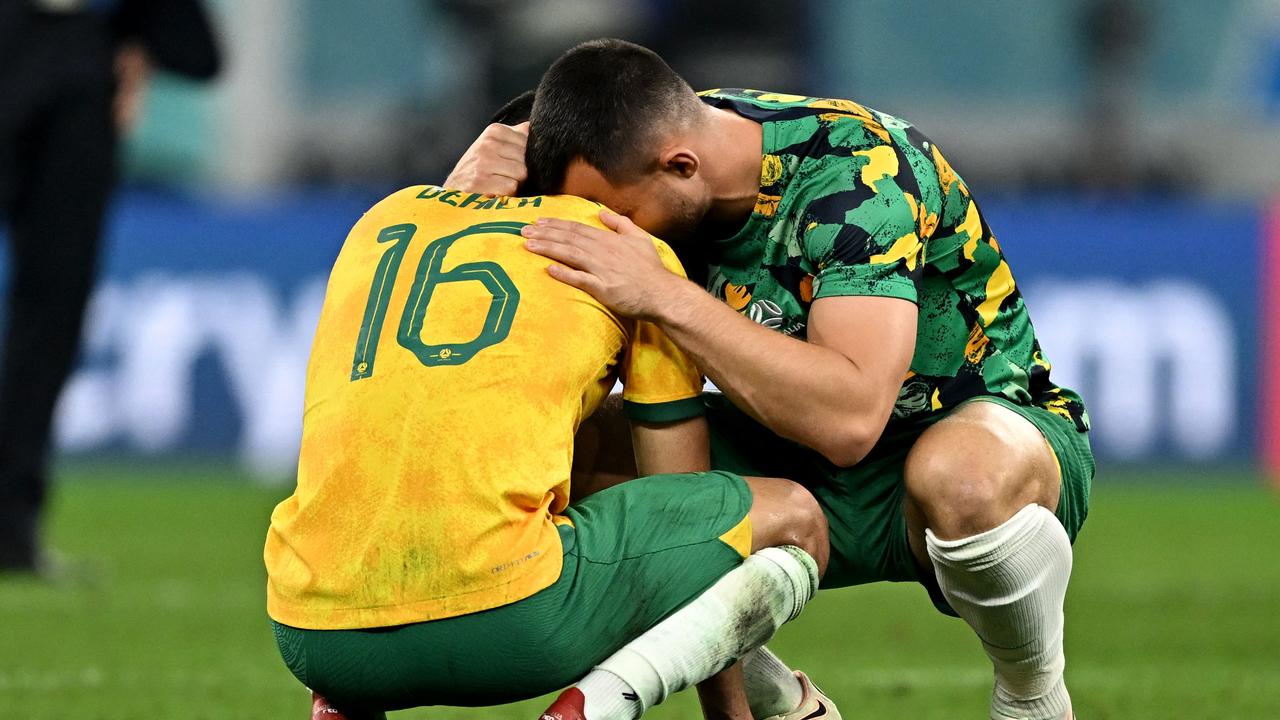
(618, 264)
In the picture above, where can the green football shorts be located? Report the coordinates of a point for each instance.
(635, 553)
(865, 504)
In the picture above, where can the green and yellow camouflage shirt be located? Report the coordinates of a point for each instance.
(856, 202)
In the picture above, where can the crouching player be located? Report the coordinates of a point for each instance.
(429, 555)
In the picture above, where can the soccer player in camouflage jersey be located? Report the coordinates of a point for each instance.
(871, 341)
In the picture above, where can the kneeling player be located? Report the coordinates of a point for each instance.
(429, 555)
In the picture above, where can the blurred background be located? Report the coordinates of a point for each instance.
(1128, 149)
(1125, 152)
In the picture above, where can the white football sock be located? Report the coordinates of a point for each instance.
(741, 611)
(606, 695)
(772, 687)
(1009, 584)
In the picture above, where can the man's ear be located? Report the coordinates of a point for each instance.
(680, 160)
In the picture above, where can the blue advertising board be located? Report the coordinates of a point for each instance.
(1152, 310)
(199, 331)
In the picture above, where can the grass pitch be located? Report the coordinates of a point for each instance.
(1174, 611)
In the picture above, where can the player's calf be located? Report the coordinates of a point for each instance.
(737, 614)
(1009, 584)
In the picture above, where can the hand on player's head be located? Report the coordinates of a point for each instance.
(494, 164)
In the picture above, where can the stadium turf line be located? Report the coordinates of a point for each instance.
(1172, 612)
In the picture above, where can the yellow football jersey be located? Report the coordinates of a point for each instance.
(447, 378)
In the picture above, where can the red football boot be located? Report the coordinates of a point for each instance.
(569, 706)
(322, 710)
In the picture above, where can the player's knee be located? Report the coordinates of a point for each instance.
(784, 513)
(959, 496)
(806, 524)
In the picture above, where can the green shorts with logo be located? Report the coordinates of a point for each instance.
(635, 553)
(865, 504)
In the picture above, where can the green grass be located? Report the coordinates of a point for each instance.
(1174, 611)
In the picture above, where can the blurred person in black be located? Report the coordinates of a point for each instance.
(71, 73)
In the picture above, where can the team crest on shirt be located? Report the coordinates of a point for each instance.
(762, 311)
(765, 312)
(771, 315)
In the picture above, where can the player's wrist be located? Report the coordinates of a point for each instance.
(672, 300)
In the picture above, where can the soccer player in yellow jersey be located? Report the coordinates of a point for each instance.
(431, 555)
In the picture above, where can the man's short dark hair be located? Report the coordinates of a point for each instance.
(602, 101)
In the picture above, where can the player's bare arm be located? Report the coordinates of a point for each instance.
(833, 393)
(678, 447)
(674, 447)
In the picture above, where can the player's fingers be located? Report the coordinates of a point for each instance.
(499, 185)
(577, 278)
(483, 183)
(497, 132)
(522, 128)
(560, 252)
(559, 233)
(506, 135)
(497, 141)
(506, 151)
(586, 233)
(504, 167)
(620, 224)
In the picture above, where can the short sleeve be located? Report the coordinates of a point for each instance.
(659, 382)
(861, 233)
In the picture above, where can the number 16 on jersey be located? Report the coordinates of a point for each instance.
(505, 298)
